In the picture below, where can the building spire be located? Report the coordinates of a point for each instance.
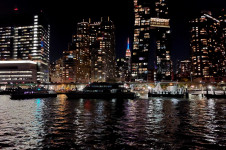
(128, 44)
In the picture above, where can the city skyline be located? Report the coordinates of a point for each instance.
(91, 54)
(64, 17)
(110, 74)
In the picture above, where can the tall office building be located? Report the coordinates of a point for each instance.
(207, 44)
(24, 39)
(151, 24)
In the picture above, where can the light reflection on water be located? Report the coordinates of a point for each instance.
(157, 123)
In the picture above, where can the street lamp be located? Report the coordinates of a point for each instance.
(210, 87)
(191, 76)
(149, 89)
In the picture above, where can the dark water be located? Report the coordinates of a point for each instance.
(59, 123)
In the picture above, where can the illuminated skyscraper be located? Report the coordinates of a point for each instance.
(151, 24)
(128, 62)
(123, 66)
(24, 38)
(91, 55)
(128, 52)
(222, 31)
(103, 51)
(80, 54)
(207, 44)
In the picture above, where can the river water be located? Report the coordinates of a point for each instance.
(154, 123)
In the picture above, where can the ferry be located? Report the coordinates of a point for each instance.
(222, 94)
(8, 91)
(102, 90)
(172, 91)
(32, 93)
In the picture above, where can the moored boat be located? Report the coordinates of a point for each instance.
(102, 90)
(33, 93)
(8, 91)
(215, 95)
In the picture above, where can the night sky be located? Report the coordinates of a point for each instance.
(64, 14)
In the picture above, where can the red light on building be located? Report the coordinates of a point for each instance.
(16, 9)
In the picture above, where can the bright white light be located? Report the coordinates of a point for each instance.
(17, 62)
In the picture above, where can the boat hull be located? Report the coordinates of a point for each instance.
(77, 95)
